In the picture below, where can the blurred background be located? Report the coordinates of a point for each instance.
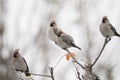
(24, 25)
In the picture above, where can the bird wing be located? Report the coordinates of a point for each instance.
(26, 64)
(67, 39)
(113, 29)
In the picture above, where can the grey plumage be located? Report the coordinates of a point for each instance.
(52, 31)
(61, 39)
(65, 41)
(107, 29)
(20, 63)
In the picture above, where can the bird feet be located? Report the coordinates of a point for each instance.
(107, 39)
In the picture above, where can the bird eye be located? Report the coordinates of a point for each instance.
(105, 18)
(52, 24)
(14, 56)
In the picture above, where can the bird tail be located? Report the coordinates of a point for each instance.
(118, 35)
(27, 74)
(77, 47)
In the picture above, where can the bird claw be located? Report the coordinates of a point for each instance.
(107, 40)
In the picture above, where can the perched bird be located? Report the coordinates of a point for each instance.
(107, 29)
(52, 31)
(65, 41)
(20, 63)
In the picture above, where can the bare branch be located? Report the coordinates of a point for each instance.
(43, 75)
(58, 62)
(89, 75)
(51, 72)
(78, 73)
(105, 43)
(75, 59)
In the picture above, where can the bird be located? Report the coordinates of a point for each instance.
(20, 63)
(65, 41)
(107, 29)
(52, 31)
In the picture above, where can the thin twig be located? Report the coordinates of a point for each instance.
(33, 73)
(50, 69)
(51, 72)
(58, 62)
(105, 43)
(78, 73)
(75, 59)
(41, 75)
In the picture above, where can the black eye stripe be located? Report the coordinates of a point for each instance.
(14, 56)
(105, 18)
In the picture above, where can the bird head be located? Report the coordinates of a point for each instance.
(16, 53)
(59, 32)
(52, 23)
(104, 19)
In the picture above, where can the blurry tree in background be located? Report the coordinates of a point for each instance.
(24, 25)
(5, 74)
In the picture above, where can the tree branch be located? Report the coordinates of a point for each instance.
(58, 62)
(105, 43)
(75, 60)
(51, 72)
(78, 73)
(43, 75)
